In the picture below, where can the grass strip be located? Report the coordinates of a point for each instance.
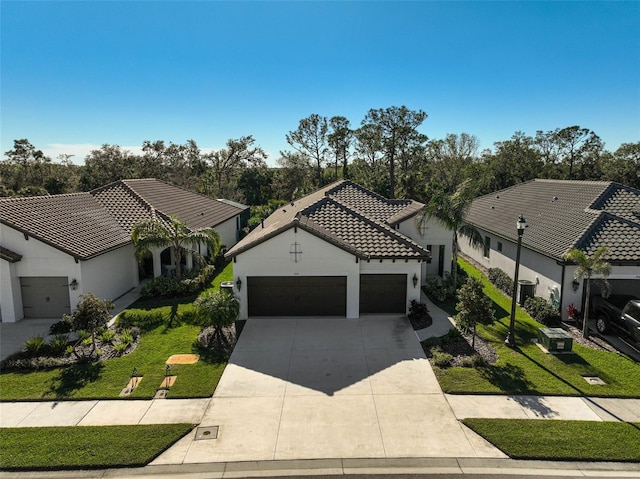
(55, 448)
(561, 440)
(528, 370)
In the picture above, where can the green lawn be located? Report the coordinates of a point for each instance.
(528, 370)
(105, 380)
(55, 448)
(561, 440)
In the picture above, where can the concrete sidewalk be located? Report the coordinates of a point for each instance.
(167, 411)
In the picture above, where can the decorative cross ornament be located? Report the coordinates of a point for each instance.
(295, 251)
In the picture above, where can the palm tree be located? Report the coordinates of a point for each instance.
(154, 233)
(587, 267)
(450, 210)
(219, 310)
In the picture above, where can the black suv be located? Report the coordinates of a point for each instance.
(620, 311)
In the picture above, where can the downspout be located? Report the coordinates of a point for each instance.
(562, 290)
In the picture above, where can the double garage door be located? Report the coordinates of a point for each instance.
(45, 297)
(324, 295)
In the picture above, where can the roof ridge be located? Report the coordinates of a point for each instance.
(9, 199)
(382, 227)
(319, 230)
(134, 195)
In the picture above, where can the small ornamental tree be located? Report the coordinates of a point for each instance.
(473, 307)
(218, 310)
(91, 315)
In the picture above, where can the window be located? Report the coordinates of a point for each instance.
(487, 246)
(499, 245)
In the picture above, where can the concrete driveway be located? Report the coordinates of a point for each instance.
(312, 388)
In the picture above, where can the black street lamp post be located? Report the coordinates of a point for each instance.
(511, 337)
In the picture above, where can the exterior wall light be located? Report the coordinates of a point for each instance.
(575, 284)
(415, 280)
(74, 284)
(239, 284)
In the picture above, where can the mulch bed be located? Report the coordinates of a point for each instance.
(421, 323)
(460, 348)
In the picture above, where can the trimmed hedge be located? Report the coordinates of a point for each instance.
(501, 280)
(542, 311)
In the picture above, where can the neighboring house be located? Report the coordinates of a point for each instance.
(561, 215)
(341, 251)
(55, 248)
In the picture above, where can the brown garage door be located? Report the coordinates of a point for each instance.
(297, 295)
(383, 293)
(45, 297)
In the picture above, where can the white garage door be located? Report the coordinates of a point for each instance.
(45, 297)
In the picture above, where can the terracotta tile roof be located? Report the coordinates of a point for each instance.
(347, 215)
(74, 223)
(563, 214)
(85, 225)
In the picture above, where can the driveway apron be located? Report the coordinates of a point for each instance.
(311, 388)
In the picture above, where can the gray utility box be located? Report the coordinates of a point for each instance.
(555, 340)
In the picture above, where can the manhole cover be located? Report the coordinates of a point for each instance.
(594, 380)
(209, 432)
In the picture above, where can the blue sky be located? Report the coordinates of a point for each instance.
(79, 74)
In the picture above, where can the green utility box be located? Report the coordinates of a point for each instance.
(555, 340)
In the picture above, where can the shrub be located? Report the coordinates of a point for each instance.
(35, 345)
(542, 311)
(58, 344)
(144, 320)
(475, 361)
(107, 336)
(440, 290)
(192, 282)
(417, 310)
(61, 327)
(126, 336)
(440, 358)
(501, 280)
(120, 348)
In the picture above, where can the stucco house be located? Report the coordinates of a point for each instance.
(340, 251)
(55, 248)
(561, 215)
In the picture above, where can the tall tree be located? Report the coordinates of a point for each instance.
(451, 158)
(515, 161)
(587, 266)
(108, 164)
(310, 139)
(226, 166)
(294, 178)
(450, 210)
(396, 130)
(563, 149)
(623, 165)
(340, 141)
(153, 233)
